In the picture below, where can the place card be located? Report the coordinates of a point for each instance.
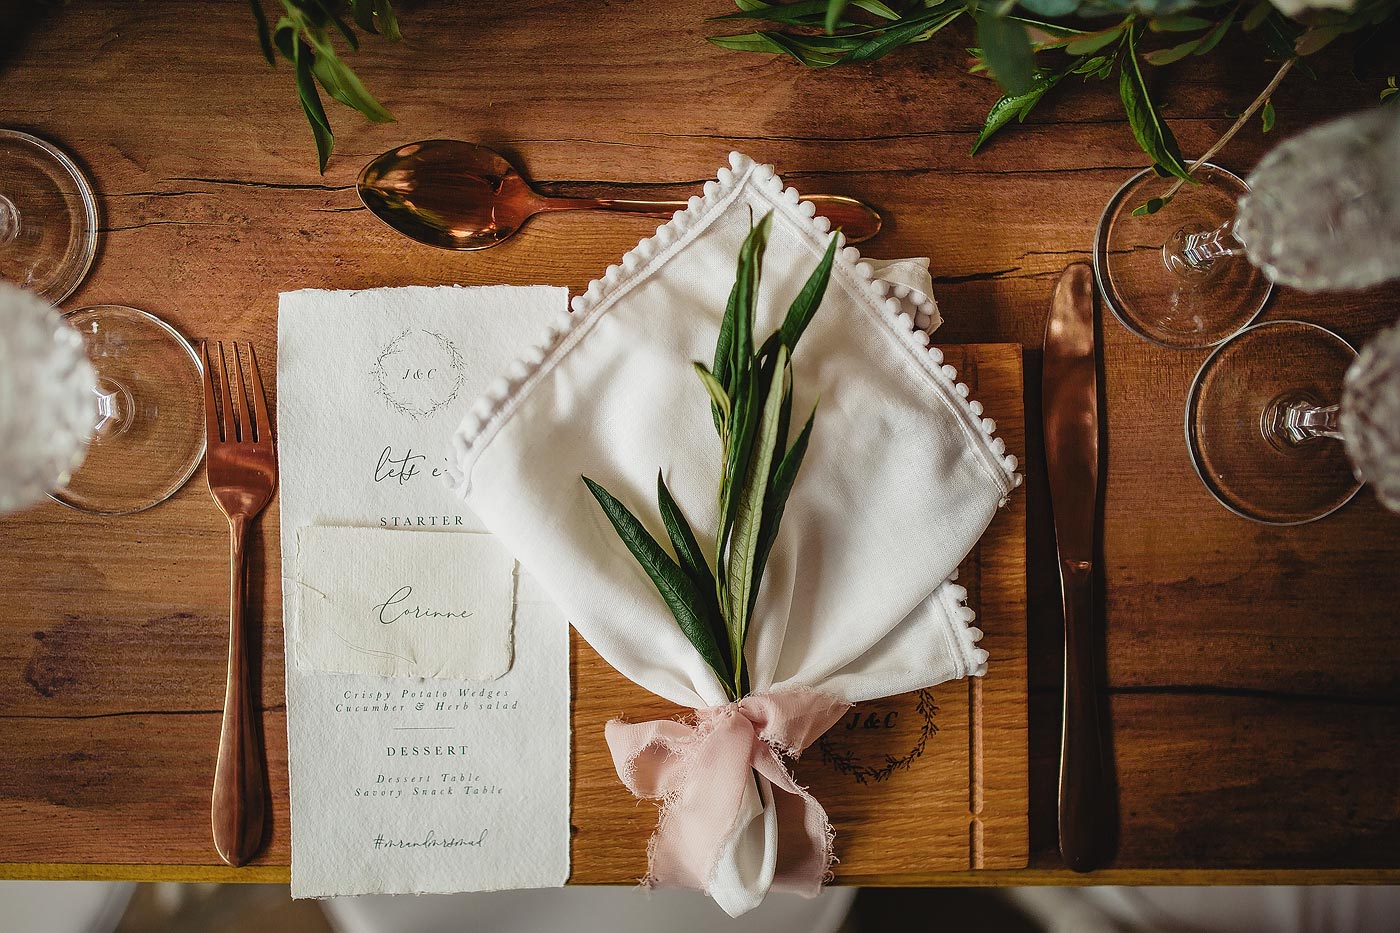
(404, 604)
(401, 784)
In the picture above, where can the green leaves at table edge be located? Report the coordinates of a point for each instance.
(1153, 135)
(1016, 106)
(1009, 41)
(302, 36)
(1006, 48)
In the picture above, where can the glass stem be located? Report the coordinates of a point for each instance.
(1297, 421)
(113, 411)
(1192, 252)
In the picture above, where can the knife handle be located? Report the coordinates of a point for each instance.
(1086, 832)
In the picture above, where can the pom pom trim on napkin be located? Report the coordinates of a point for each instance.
(899, 308)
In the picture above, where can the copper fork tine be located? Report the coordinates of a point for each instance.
(242, 470)
(263, 423)
(233, 407)
(213, 430)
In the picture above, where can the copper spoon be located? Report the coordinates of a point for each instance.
(458, 195)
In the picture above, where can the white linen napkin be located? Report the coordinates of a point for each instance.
(901, 477)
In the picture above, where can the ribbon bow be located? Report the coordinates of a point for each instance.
(702, 771)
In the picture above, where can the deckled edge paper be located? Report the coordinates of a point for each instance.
(340, 842)
(403, 604)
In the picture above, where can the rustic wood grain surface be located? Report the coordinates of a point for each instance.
(1253, 672)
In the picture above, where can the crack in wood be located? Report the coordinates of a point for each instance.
(163, 223)
(244, 183)
(977, 276)
(1247, 693)
(277, 708)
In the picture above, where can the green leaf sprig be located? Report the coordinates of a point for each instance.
(303, 37)
(750, 393)
(1107, 37)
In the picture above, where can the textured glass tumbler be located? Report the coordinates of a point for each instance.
(46, 386)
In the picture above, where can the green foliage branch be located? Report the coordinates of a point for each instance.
(303, 36)
(1032, 46)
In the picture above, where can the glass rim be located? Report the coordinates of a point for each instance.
(1194, 390)
(183, 480)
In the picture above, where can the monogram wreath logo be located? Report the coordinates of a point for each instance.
(418, 373)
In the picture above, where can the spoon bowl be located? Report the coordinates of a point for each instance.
(461, 196)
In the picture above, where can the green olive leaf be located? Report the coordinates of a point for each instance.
(343, 85)
(1152, 206)
(743, 546)
(692, 561)
(1006, 48)
(1016, 106)
(1212, 38)
(329, 14)
(388, 23)
(1174, 54)
(676, 589)
(1093, 42)
(916, 28)
(304, 59)
(1179, 22)
(805, 305)
(363, 12)
(784, 476)
(719, 398)
(834, 9)
(1152, 133)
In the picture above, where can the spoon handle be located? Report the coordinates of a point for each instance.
(856, 219)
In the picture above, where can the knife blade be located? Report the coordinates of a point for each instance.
(1070, 411)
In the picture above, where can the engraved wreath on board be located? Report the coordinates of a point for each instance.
(836, 749)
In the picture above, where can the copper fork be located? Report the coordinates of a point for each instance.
(242, 471)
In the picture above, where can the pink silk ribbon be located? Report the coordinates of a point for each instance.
(701, 771)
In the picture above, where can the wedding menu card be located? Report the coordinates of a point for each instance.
(428, 679)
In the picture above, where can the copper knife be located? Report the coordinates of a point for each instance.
(1070, 406)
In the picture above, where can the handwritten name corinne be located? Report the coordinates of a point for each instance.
(394, 608)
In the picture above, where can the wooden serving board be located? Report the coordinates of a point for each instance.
(113, 636)
(924, 782)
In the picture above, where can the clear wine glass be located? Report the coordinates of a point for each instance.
(1268, 407)
(143, 406)
(46, 386)
(1318, 213)
(1162, 275)
(48, 217)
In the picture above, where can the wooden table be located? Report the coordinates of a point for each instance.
(1254, 672)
